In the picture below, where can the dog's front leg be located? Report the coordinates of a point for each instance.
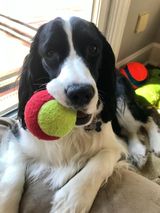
(12, 177)
(11, 188)
(78, 194)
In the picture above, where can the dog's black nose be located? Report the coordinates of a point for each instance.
(80, 95)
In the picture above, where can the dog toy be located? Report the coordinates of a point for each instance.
(149, 94)
(136, 73)
(46, 118)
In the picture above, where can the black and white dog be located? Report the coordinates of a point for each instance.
(74, 62)
(130, 118)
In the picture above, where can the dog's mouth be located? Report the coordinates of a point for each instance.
(82, 118)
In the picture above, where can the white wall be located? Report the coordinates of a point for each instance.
(132, 42)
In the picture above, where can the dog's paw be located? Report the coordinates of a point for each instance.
(157, 180)
(156, 149)
(155, 144)
(69, 202)
(154, 136)
(138, 160)
(137, 155)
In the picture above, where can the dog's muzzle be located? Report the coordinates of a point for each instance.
(78, 97)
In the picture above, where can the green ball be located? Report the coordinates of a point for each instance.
(55, 119)
(151, 92)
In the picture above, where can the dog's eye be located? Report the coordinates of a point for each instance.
(50, 53)
(92, 50)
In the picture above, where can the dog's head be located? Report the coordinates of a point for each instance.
(76, 64)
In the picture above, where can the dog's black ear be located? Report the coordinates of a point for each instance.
(107, 81)
(32, 76)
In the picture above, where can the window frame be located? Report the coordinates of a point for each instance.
(108, 17)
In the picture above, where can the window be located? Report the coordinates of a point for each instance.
(18, 23)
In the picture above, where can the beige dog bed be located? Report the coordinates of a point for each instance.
(125, 192)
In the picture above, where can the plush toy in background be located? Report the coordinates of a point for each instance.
(47, 119)
(151, 90)
(154, 75)
(136, 73)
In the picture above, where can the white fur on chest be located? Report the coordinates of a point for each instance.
(59, 160)
(69, 165)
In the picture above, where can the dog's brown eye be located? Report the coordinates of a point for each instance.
(92, 50)
(54, 56)
(50, 53)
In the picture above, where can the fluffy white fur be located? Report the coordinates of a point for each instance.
(88, 159)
